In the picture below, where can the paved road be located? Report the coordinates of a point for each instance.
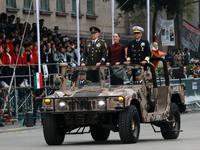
(33, 139)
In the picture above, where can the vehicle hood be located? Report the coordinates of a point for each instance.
(97, 92)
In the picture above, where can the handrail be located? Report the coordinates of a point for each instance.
(166, 73)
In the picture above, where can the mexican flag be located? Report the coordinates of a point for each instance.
(38, 83)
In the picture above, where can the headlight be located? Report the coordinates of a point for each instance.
(47, 101)
(101, 104)
(62, 105)
(120, 98)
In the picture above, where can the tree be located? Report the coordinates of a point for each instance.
(173, 7)
(133, 6)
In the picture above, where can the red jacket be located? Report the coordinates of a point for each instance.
(1, 58)
(32, 62)
(24, 59)
(10, 45)
(6, 59)
(15, 59)
(35, 54)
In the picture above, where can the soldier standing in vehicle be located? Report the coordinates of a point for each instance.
(138, 49)
(94, 53)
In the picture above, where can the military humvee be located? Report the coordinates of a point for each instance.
(120, 108)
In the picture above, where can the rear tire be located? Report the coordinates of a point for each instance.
(99, 134)
(52, 129)
(167, 127)
(129, 125)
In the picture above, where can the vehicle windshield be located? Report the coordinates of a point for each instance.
(83, 78)
(104, 77)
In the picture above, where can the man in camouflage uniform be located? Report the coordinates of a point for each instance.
(94, 53)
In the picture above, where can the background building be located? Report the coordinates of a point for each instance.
(62, 13)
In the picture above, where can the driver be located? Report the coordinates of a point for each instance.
(82, 79)
(138, 77)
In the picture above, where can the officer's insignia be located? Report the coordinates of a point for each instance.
(89, 45)
(133, 46)
(98, 45)
(142, 44)
(105, 45)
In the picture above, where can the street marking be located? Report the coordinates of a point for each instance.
(19, 128)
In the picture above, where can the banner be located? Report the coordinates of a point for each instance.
(159, 25)
(38, 83)
(190, 37)
(167, 33)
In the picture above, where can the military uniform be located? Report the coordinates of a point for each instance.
(94, 53)
(137, 82)
(138, 50)
(84, 83)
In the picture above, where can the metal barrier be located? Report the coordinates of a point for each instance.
(20, 101)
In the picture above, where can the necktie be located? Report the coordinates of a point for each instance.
(81, 83)
(93, 42)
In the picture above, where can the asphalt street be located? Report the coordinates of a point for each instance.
(189, 139)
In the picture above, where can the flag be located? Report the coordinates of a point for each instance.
(155, 51)
(38, 83)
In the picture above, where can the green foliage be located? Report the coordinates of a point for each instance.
(185, 6)
(189, 67)
(117, 20)
(172, 7)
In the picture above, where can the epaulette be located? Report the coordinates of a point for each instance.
(88, 40)
(89, 81)
(102, 40)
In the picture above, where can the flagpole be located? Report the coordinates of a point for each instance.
(112, 13)
(38, 34)
(77, 23)
(148, 20)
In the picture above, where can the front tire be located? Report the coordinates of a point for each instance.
(99, 134)
(129, 125)
(168, 127)
(52, 129)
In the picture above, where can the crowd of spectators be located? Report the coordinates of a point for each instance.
(54, 48)
(188, 65)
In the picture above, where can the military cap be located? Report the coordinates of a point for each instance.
(82, 72)
(137, 29)
(56, 28)
(94, 29)
(41, 20)
(18, 18)
(138, 73)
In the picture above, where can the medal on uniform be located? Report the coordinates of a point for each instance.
(98, 45)
(142, 44)
(89, 45)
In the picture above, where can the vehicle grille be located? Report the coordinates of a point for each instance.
(81, 105)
